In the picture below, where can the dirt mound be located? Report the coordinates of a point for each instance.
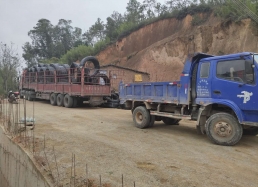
(161, 48)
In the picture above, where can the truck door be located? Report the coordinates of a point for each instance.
(203, 85)
(234, 80)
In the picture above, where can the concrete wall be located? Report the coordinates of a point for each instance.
(16, 167)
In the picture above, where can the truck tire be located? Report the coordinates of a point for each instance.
(26, 95)
(29, 98)
(223, 129)
(170, 121)
(141, 117)
(53, 99)
(60, 100)
(68, 101)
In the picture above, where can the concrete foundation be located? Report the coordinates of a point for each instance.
(16, 167)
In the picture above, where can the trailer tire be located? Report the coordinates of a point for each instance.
(223, 129)
(60, 100)
(29, 98)
(26, 95)
(53, 99)
(170, 121)
(68, 101)
(141, 117)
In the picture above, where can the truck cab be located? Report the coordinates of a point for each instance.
(218, 92)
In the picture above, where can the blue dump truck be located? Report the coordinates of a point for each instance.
(220, 93)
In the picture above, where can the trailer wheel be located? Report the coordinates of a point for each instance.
(60, 100)
(141, 117)
(68, 101)
(170, 121)
(223, 129)
(29, 98)
(26, 95)
(53, 99)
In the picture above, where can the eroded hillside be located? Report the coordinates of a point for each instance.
(162, 47)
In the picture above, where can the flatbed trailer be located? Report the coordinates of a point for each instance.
(64, 85)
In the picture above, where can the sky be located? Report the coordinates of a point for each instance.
(18, 17)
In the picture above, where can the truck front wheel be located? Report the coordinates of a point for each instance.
(141, 117)
(223, 129)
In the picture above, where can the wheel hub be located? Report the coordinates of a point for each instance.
(223, 129)
(139, 117)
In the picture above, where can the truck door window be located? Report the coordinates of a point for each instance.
(234, 70)
(249, 71)
(205, 69)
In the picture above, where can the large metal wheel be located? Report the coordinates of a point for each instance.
(170, 121)
(68, 101)
(60, 100)
(53, 99)
(141, 117)
(223, 129)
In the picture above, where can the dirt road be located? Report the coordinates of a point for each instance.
(107, 141)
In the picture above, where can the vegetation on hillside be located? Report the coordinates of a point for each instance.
(64, 44)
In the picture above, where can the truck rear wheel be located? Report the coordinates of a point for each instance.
(223, 129)
(68, 101)
(141, 117)
(60, 100)
(53, 99)
(170, 121)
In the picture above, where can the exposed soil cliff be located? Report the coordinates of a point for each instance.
(162, 47)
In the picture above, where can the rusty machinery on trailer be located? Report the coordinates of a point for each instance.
(67, 85)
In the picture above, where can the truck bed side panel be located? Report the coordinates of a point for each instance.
(162, 92)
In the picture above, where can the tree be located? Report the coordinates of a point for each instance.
(95, 33)
(77, 37)
(9, 62)
(179, 4)
(134, 12)
(42, 39)
(149, 8)
(112, 25)
(50, 41)
(29, 55)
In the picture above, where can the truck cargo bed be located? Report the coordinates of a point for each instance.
(161, 92)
